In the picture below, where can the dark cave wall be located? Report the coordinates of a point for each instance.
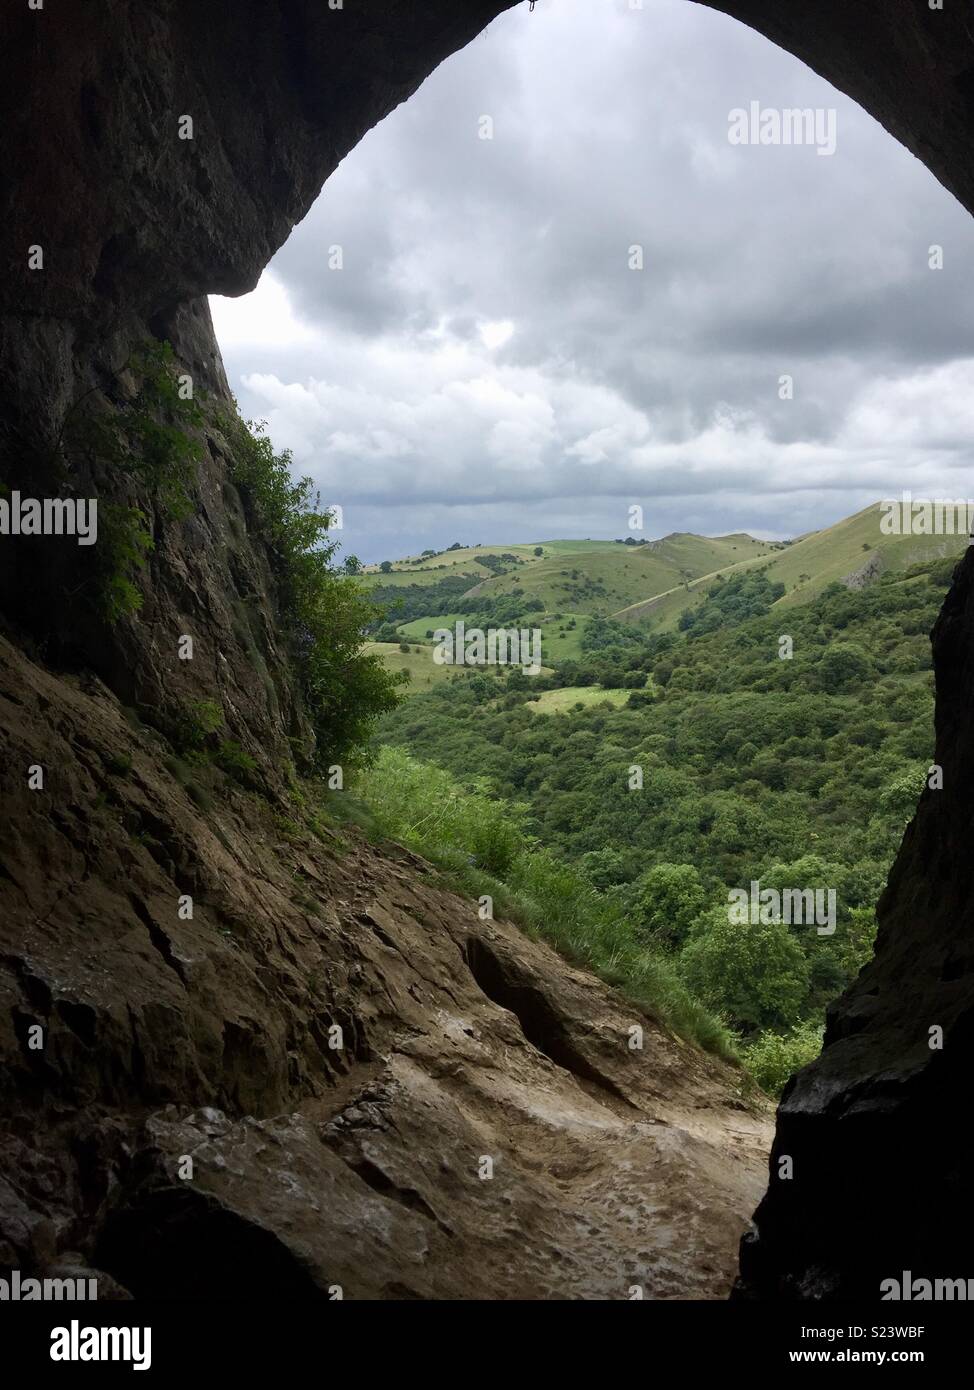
(135, 217)
(138, 226)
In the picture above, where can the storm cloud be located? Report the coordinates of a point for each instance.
(490, 364)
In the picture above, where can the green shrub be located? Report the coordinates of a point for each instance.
(124, 544)
(774, 1057)
(323, 611)
(754, 973)
(151, 438)
(668, 899)
(193, 727)
(235, 761)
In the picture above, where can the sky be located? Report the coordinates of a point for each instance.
(487, 365)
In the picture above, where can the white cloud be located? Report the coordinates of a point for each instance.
(264, 317)
(495, 335)
(486, 364)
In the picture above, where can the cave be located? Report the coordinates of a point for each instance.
(137, 227)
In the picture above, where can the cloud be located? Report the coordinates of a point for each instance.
(486, 361)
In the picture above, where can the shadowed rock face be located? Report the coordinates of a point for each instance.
(136, 227)
(335, 1041)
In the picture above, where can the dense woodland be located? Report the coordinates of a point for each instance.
(792, 770)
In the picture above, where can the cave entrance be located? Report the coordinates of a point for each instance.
(598, 336)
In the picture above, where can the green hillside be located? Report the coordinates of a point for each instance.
(650, 585)
(798, 768)
(449, 563)
(423, 671)
(843, 549)
(836, 554)
(698, 555)
(606, 576)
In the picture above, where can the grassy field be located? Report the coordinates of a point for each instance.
(416, 630)
(418, 661)
(573, 696)
(559, 642)
(424, 672)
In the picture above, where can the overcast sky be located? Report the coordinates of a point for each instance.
(485, 366)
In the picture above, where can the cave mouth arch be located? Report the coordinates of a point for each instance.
(266, 160)
(828, 1248)
(834, 1250)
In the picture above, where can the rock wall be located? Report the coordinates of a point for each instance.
(136, 226)
(334, 1042)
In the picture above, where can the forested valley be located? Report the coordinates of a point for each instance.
(614, 801)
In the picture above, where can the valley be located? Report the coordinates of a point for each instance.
(683, 750)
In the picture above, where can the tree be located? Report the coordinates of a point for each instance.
(774, 1057)
(538, 550)
(386, 566)
(669, 898)
(900, 796)
(756, 974)
(844, 665)
(856, 944)
(604, 867)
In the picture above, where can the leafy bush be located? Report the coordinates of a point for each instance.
(193, 727)
(150, 437)
(772, 1058)
(125, 543)
(323, 611)
(236, 762)
(668, 899)
(755, 974)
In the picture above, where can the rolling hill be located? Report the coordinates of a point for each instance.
(568, 582)
(852, 551)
